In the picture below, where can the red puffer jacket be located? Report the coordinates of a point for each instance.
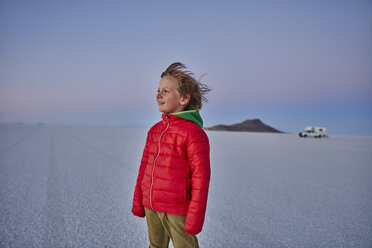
(175, 170)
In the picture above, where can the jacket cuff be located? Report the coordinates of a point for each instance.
(139, 212)
(192, 233)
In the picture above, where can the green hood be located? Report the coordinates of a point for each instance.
(191, 115)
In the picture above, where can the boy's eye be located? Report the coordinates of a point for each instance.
(163, 91)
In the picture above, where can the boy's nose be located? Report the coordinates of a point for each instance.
(158, 95)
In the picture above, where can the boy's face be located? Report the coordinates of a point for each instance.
(169, 98)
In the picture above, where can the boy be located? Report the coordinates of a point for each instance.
(173, 179)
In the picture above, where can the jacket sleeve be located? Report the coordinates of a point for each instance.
(138, 209)
(199, 161)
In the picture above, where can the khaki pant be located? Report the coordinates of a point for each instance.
(162, 226)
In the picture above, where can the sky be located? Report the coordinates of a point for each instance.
(290, 63)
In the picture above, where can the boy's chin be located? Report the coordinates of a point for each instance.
(161, 110)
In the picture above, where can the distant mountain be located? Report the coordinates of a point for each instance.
(253, 125)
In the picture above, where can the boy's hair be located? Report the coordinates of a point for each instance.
(187, 84)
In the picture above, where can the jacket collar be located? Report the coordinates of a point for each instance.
(191, 115)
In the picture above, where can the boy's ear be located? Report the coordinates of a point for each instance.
(185, 99)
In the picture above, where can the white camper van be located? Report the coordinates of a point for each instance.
(316, 132)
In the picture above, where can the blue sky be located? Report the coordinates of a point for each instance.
(289, 63)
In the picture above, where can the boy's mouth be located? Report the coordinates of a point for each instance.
(161, 103)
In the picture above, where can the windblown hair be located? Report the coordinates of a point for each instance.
(187, 84)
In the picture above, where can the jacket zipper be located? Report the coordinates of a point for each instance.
(153, 168)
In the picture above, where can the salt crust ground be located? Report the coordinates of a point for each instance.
(64, 186)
